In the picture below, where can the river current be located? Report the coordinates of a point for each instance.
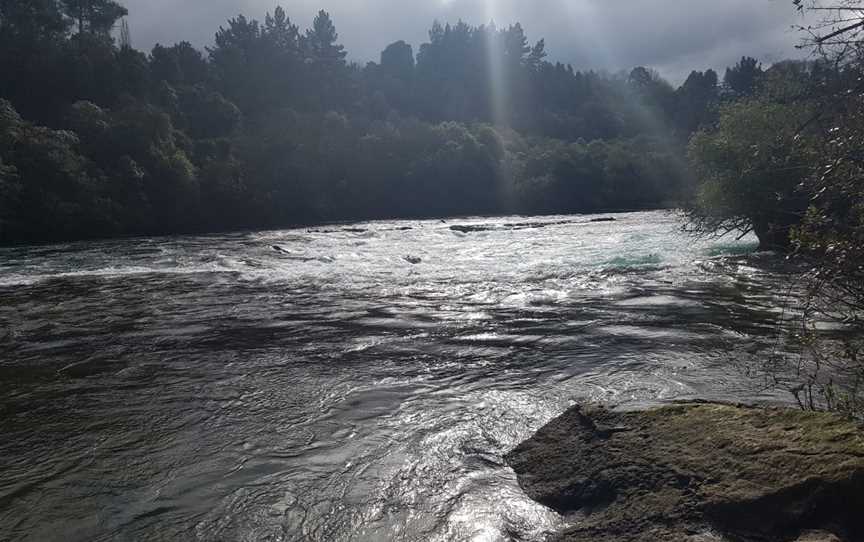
(348, 383)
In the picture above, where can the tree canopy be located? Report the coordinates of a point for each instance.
(272, 126)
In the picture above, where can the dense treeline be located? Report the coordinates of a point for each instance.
(271, 126)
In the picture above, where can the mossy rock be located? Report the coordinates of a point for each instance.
(698, 472)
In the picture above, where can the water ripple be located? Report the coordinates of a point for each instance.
(347, 383)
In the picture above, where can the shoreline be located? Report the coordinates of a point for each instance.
(698, 472)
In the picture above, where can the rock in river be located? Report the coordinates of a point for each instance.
(698, 472)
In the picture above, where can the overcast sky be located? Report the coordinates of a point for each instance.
(672, 36)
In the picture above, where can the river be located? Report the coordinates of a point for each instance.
(356, 383)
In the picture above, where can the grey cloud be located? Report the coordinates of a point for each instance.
(673, 36)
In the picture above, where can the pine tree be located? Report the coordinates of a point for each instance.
(320, 42)
(397, 60)
(96, 17)
(742, 78)
(31, 20)
(280, 32)
(324, 57)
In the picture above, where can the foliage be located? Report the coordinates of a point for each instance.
(10, 189)
(633, 174)
(96, 17)
(271, 126)
(751, 166)
(785, 160)
(743, 78)
(53, 194)
(831, 239)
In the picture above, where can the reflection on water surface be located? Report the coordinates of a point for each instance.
(356, 383)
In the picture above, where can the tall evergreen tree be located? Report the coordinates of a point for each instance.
(696, 102)
(32, 44)
(281, 32)
(233, 60)
(741, 79)
(96, 17)
(321, 42)
(30, 20)
(180, 64)
(325, 58)
(397, 60)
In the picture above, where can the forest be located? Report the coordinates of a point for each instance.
(271, 126)
(256, 290)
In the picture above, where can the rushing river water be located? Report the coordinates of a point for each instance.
(347, 383)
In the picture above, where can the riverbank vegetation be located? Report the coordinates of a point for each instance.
(786, 163)
(271, 126)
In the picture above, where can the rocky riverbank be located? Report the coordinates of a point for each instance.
(698, 473)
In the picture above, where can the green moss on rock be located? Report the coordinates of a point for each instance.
(698, 472)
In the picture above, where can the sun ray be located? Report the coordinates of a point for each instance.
(499, 92)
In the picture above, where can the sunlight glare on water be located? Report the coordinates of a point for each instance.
(354, 382)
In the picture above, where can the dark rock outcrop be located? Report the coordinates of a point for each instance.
(698, 472)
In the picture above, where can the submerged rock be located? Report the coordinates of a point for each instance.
(470, 229)
(473, 228)
(698, 472)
